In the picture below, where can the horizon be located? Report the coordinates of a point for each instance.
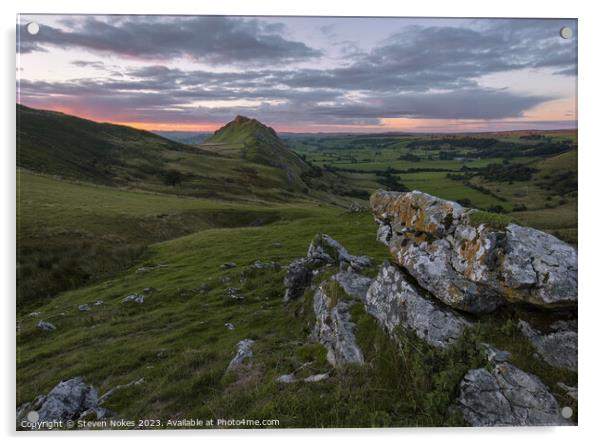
(303, 74)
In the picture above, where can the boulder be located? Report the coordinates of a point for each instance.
(243, 352)
(69, 400)
(334, 328)
(505, 395)
(395, 302)
(46, 326)
(474, 267)
(557, 348)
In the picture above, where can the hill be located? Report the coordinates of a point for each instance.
(76, 148)
(258, 143)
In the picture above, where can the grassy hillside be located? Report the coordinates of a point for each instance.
(177, 340)
(69, 234)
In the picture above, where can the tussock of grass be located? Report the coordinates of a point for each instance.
(495, 220)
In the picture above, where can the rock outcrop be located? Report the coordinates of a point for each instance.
(69, 400)
(558, 348)
(471, 265)
(507, 396)
(394, 302)
(323, 250)
(334, 327)
(353, 284)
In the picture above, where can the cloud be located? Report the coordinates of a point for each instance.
(422, 72)
(220, 40)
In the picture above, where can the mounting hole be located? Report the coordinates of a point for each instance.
(566, 32)
(33, 28)
(567, 412)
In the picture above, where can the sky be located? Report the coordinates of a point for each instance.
(302, 74)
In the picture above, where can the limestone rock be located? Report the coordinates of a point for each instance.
(229, 265)
(571, 391)
(229, 326)
(84, 307)
(266, 265)
(297, 279)
(244, 352)
(558, 348)
(354, 284)
(325, 249)
(69, 400)
(316, 378)
(234, 293)
(335, 329)
(474, 268)
(46, 326)
(394, 302)
(136, 298)
(507, 396)
(286, 378)
(112, 391)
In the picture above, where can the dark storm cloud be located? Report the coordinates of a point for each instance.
(426, 72)
(210, 39)
(475, 103)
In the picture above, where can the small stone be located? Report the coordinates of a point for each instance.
(228, 265)
(136, 298)
(286, 378)
(316, 378)
(243, 352)
(46, 326)
(35, 314)
(84, 307)
(229, 326)
(99, 302)
(571, 391)
(234, 293)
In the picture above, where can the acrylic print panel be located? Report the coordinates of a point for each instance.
(296, 222)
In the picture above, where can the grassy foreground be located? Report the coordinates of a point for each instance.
(177, 339)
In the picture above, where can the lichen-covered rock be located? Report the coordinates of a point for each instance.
(69, 400)
(354, 284)
(334, 328)
(474, 267)
(244, 352)
(507, 396)
(394, 302)
(557, 348)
